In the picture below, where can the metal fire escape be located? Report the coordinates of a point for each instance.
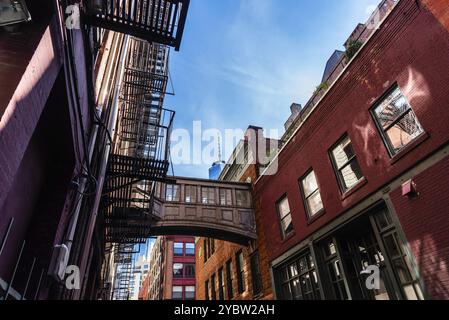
(141, 154)
(140, 157)
(160, 21)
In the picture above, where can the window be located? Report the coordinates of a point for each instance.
(177, 293)
(213, 287)
(243, 198)
(190, 194)
(172, 193)
(207, 289)
(299, 280)
(346, 164)
(208, 195)
(240, 272)
(221, 284)
(178, 248)
(13, 12)
(226, 197)
(206, 251)
(396, 121)
(189, 271)
(283, 208)
(190, 293)
(209, 248)
(190, 249)
(256, 274)
(311, 194)
(229, 279)
(177, 270)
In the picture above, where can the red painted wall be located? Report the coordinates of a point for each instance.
(411, 48)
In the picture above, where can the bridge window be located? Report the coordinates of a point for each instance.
(243, 198)
(172, 193)
(285, 216)
(190, 249)
(311, 194)
(178, 248)
(226, 197)
(190, 194)
(240, 272)
(178, 270)
(208, 195)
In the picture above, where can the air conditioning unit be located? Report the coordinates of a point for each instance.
(13, 12)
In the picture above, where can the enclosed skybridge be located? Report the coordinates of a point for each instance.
(217, 209)
(160, 21)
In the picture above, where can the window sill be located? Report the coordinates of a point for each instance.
(412, 145)
(354, 189)
(288, 237)
(317, 215)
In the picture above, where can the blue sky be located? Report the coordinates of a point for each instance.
(244, 62)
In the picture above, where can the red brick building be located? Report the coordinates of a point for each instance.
(363, 179)
(172, 270)
(228, 271)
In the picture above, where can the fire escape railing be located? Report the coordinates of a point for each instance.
(160, 21)
(141, 152)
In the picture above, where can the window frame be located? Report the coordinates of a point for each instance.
(185, 292)
(256, 273)
(305, 198)
(184, 272)
(173, 186)
(182, 249)
(284, 234)
(185, 249)
(181, 276)
(221, 283)
(227, 191)
(337, 172)
(208, 202)
(383, 132)
(229, 279)
(173, 291)
(193, 200)
(240, 269)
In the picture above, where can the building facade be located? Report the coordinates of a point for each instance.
(361, 182)
(77, 93)
(172, 270)
(225, 270)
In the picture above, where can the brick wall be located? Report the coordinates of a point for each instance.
(410, 49)
(425, 221)
(440, 9)
(225, 251)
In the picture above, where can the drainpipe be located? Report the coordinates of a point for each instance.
(105, 158)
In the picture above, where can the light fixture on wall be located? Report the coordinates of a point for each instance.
(13, 12)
